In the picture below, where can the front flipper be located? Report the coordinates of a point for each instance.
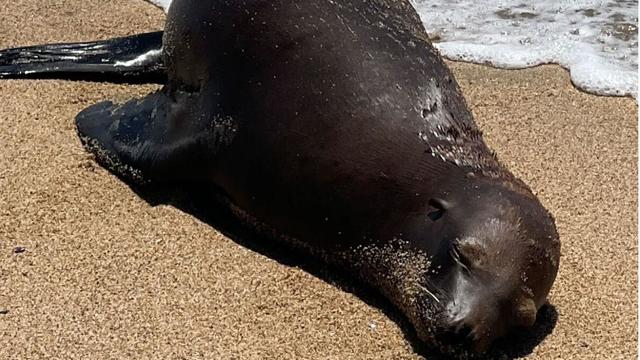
(154, 139)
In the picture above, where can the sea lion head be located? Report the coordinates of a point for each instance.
(494, 264)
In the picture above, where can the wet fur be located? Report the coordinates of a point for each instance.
(336, 134)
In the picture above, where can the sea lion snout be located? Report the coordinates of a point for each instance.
(476, 317)
(476, 329)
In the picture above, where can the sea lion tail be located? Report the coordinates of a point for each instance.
(132, 59)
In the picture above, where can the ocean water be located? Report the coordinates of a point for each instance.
(596, 41)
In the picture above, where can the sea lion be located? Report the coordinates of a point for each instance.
(336, 127)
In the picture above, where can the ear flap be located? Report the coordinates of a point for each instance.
(525, 314)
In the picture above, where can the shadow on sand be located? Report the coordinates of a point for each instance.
(206, 205)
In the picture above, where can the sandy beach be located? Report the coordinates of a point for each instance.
(106, 275)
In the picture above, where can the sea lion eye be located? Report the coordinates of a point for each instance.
(438, 207)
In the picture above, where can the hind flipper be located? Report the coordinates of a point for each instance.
(134, 59)
(153, 139)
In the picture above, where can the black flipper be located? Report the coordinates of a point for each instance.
(155, 139)
(133, 59)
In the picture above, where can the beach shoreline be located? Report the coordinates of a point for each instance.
(107, 275)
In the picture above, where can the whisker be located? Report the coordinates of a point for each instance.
(429, 292)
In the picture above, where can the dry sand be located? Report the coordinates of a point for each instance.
(106, 275)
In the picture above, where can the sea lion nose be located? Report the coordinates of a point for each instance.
(473, 335)
(458, 333)
(481, 325)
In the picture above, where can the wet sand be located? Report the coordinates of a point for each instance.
(107, 275)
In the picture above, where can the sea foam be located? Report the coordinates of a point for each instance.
(597, 41)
